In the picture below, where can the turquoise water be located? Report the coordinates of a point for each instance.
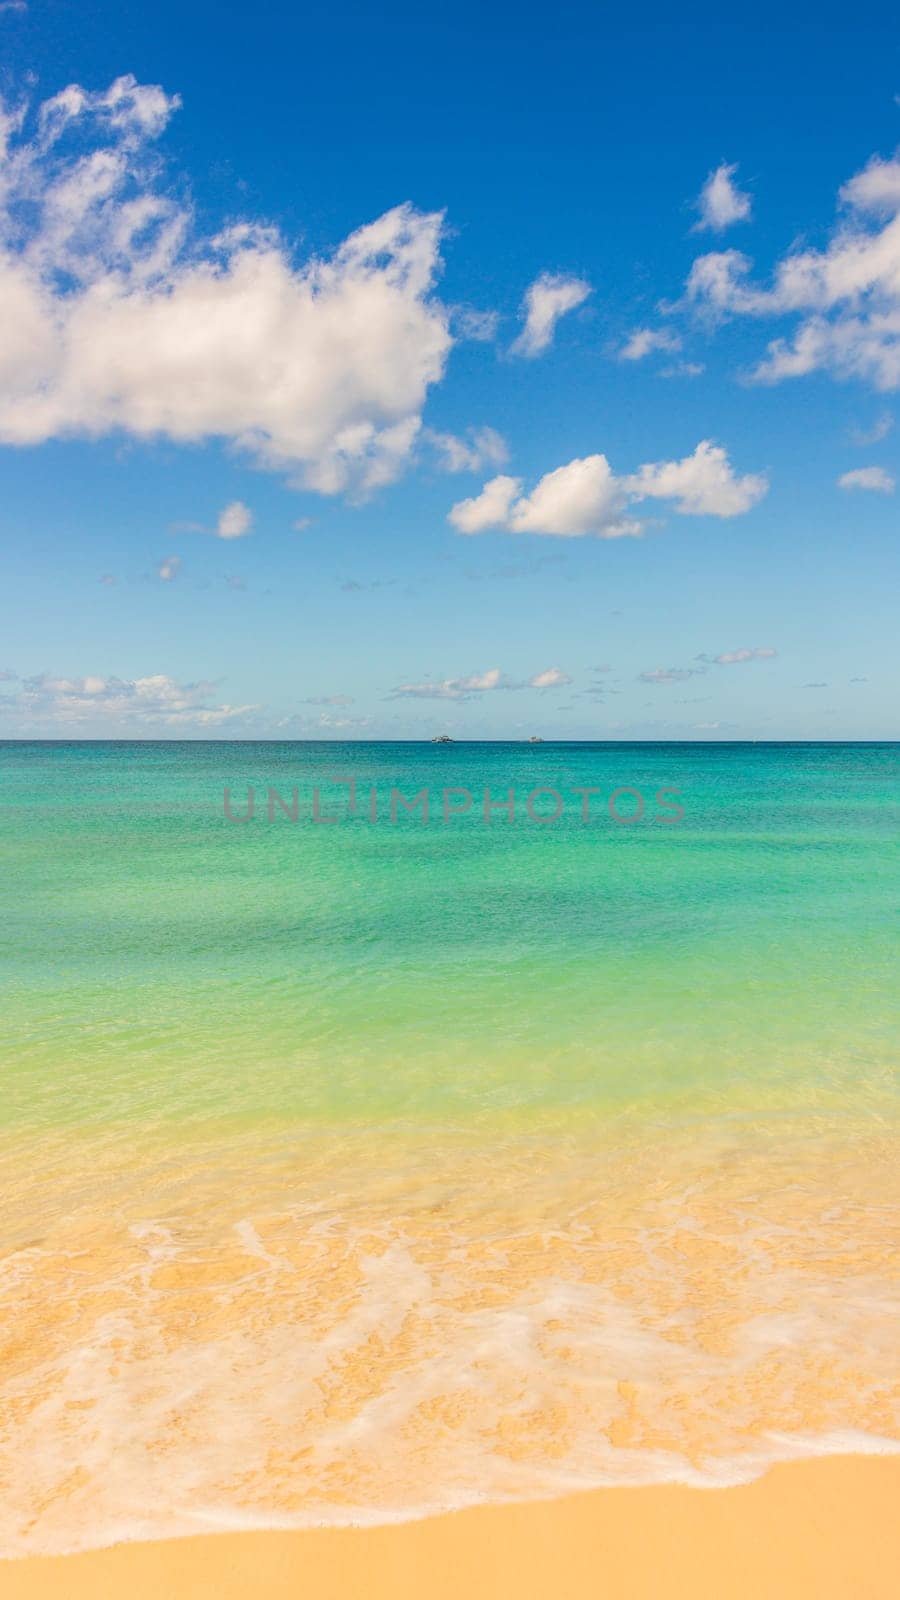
(181, 965)
(355, 1170)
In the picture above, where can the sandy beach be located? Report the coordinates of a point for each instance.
(811, 1529)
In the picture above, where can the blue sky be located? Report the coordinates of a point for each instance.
(592, 433)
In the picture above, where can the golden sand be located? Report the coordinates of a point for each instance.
(318, 1333)
(815, 1530)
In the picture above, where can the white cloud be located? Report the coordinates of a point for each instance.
(728, 658)
(703, 484)
(169, 568)
(450, 688)
(716, 281)
(549, 298)
(482, 447)
(874, 478)
(550, 678)
(721, 202)
(489, 509)
(477, 684)
(582, 497)
(479, 326)
(875, 189)
(491, 679)
(235, 520)
(644, 341)
(114, 316)
(585, 497)
(156, 700)
(847, 296)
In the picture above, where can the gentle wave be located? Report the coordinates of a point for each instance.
(370, 1341)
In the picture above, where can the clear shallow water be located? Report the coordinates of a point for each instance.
(363, 1168)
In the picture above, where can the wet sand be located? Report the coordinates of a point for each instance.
(808, 1530)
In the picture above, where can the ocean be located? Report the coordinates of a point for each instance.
(359, 1164)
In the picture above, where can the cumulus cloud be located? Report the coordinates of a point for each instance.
(582, 497)
(116, 316)
(235, 520)
(585, 496)
(872, 478)
(846, 296)
(329, 700)
(480, 448)
(139, 703)
(489, 509)
(477, 684)
(644, 341)
(703, 484)
(721, 203)
(549, 298)
(169, 568)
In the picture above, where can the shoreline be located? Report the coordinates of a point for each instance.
(821, 1527)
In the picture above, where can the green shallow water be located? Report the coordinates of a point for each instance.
(165, 963)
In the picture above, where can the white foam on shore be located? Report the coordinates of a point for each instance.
(303, 1413)
(190, 1522)
(418, 1342)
